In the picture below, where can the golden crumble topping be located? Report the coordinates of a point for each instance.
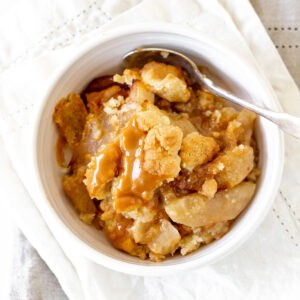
(160, 166)
(166, 81)
(196, 150)
(162, 144)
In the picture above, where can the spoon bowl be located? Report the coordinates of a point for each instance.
(139, 57)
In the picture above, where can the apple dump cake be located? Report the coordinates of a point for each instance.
(160, 165)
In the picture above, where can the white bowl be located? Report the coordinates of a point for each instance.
(104, 56)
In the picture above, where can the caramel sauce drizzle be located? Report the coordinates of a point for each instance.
(106, 165)
(136, 186)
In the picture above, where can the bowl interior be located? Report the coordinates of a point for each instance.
(106, 58)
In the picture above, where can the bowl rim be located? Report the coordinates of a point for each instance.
(61, 230)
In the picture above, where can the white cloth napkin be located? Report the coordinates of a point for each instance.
(266, 266)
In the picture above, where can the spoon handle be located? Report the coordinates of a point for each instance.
(288, 123)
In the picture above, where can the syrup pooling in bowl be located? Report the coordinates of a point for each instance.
(161, 166)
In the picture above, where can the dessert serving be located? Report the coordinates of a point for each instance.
(160, 165)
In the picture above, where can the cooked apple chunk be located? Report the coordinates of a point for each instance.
(161, 237)
(197, 210)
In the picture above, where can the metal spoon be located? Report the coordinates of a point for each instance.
(137, 58)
